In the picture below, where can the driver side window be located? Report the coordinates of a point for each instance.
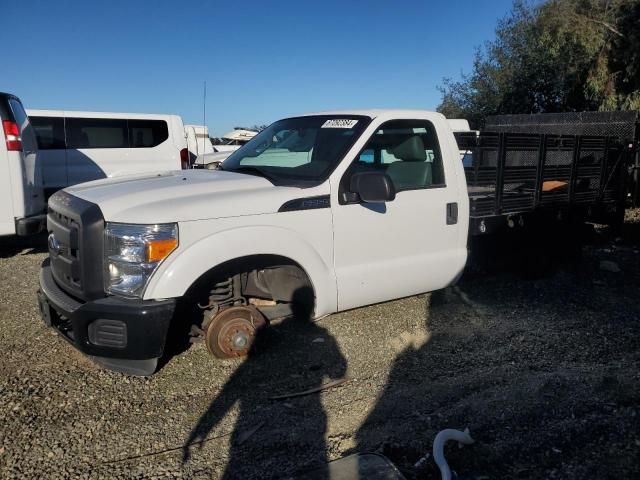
(407, 151)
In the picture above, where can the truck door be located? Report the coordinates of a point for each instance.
(406, 246)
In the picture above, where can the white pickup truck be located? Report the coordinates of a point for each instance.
(317, 214)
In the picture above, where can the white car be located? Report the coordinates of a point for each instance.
(22, 204)
(77, 147)
(211, 160)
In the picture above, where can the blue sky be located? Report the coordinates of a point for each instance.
(261, 60)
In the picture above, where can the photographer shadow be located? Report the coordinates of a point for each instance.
(293, 356)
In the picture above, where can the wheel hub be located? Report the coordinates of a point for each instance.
(240, 340)
(232, 332)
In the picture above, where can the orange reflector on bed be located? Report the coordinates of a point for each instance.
(551, 185)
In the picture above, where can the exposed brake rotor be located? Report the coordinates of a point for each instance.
(231, 333)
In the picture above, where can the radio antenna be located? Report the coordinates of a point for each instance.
(204, 105)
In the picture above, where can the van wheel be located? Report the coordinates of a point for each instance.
(232, 332)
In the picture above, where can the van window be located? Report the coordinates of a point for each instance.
(97, 133)
(49, 132)
(147, 133)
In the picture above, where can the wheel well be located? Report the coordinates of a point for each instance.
(188, 320)
(269, 277)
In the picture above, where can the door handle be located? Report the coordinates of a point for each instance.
(452, 213)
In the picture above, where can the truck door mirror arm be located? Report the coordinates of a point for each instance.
(370, 187)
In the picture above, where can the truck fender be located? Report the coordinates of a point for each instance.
(186, 265)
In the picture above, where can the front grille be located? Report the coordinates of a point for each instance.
(75, 229)
(64, 248)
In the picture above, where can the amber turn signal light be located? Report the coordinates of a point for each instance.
(160, 249)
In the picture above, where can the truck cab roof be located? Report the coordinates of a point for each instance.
(379, 112)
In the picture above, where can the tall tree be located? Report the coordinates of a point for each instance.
(553, 56)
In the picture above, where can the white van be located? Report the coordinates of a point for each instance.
(77, 147)
(22, 205)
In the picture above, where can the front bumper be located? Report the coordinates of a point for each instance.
(122, 335)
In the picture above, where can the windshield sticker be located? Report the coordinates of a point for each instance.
(340, 123)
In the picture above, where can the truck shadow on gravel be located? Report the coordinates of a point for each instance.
(543, 371)
(295, 355)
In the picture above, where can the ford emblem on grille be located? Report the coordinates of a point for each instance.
(54, 245)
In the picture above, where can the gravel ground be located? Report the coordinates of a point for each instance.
(544, 372)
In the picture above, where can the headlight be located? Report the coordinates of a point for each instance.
(133, 252)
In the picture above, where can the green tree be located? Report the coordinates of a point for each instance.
(553, 56)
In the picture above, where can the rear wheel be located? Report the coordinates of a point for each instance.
(232, 332)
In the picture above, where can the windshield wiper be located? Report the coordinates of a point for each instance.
(252, 171)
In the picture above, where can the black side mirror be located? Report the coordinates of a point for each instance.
(373, 187)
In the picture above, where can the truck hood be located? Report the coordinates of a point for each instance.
(182, 196)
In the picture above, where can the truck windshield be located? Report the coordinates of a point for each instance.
(300, 151)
